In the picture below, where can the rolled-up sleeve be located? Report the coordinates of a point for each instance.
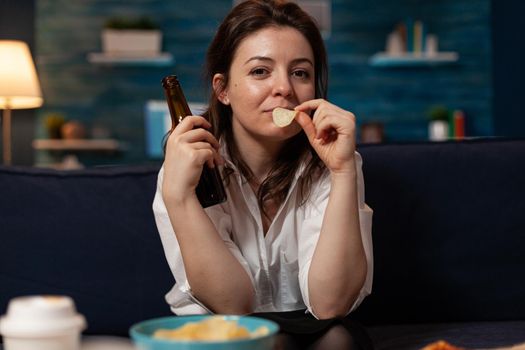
(311, 229)
(180, 298)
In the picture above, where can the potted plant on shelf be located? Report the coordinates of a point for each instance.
(131, 37)
(53, 123)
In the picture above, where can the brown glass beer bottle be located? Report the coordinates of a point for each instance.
(210, 190)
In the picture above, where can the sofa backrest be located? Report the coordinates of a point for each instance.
(448, 231)
(89, 234)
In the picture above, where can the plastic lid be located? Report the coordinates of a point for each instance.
(41, 316)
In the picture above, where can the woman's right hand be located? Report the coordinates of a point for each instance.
(189, 147)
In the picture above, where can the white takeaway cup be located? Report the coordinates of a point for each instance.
(42, 322)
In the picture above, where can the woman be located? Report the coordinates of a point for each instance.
(293, 241)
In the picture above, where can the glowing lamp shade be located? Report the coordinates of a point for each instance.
(19, 86)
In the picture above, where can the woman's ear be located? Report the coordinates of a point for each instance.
(220, 89)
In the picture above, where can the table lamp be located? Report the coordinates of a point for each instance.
(19, 86)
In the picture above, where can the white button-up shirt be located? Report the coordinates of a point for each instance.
(278, 262)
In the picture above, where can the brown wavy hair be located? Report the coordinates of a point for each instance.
(245, 19)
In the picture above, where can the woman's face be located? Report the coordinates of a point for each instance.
(273, 67)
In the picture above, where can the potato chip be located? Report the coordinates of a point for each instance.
(441, 345)
(283, 117)
(212, 329)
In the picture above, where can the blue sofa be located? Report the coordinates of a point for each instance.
(448, 232)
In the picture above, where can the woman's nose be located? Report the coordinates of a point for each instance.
(283, 86)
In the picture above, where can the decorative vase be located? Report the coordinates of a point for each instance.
(438, 130)
(131, 42)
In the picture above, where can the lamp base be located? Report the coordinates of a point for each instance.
(6, 136)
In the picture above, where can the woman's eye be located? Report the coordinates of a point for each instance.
(259, 71)
(301, 74)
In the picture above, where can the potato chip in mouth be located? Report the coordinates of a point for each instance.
(283, 117)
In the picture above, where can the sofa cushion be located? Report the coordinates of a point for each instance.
(89, 234)
(448, 231)
(473, 335)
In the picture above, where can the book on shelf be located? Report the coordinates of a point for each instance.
(419, 37)
(413, 34)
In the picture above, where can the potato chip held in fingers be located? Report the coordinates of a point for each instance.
(283, 117)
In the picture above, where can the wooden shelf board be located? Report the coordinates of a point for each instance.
(162, 59)
(383, 59)
(77, 145)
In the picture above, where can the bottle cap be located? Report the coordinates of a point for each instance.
(41, 316)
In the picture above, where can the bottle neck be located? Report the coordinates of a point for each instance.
(177, 104)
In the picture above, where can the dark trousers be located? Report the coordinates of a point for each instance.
(301, 330)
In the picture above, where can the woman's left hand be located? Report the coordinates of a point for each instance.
(331, 132)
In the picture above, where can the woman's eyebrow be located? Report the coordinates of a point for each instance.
(258, 58)
(302, 60)
(265, 58)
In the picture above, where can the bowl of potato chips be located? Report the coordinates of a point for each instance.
(205, 332)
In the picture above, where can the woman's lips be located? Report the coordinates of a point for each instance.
(286, 107)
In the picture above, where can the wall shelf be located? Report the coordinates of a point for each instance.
(161, 60)
(87, 145)
(64, 154)
(385, 60)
